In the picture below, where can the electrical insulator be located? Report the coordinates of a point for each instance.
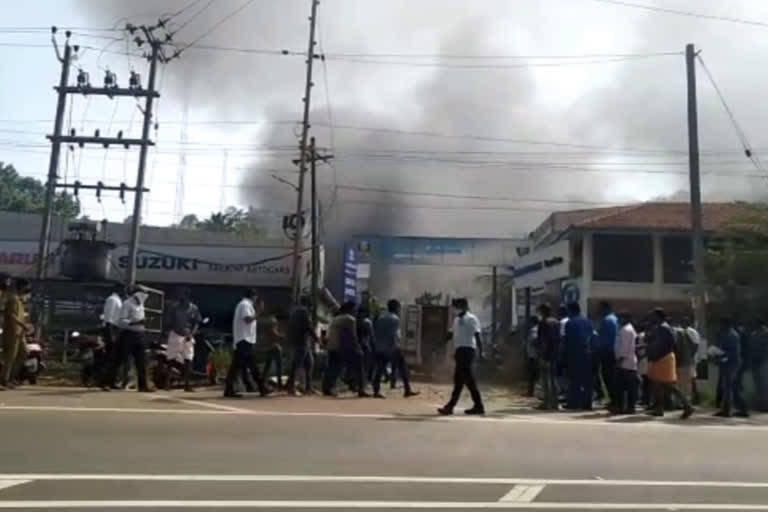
(135, 81)
(110, 80)
(99, 185)
(97, 133)
(83, 79)
(77, 188)
(72, 132)
(120, 134)
(122, 192)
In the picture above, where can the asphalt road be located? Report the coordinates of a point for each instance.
(69, 450)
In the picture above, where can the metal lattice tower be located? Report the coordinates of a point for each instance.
(178, 208)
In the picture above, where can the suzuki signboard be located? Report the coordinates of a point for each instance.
(192, 264)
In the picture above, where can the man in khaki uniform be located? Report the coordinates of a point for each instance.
(14, 329)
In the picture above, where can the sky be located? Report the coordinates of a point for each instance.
(444, 117)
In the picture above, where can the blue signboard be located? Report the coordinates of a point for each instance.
(350, 274)
(571, 293)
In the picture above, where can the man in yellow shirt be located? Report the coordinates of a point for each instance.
(14, 329)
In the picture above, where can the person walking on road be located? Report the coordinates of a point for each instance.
(627, 383)
(730, 362)
(467, 340)
(604, 356)
(577, 359)
(14, 331)
(110, 335)
(387, 348)
(532, 354)
(274, 356)
(301, 337)
(185, 319)
(661, 365)
(549, 357)
(130, 344)
(344, 351)
(686, 347)
(365, 336)
(244, 326)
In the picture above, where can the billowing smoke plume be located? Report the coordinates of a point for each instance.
(620, 127)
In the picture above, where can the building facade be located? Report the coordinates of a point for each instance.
(637, 257)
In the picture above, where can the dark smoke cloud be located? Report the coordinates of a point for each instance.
(636, 104)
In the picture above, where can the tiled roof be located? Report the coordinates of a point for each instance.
(659, 216)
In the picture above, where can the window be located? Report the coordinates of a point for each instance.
(678, 259)
(626, 258)
(577, 267)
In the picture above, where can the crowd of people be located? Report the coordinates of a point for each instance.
(623, 362)
(356, 346)
(359, 348)
(620, 362)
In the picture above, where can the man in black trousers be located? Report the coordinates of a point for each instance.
(244, 326)
(130, 344)
(301, 337)
(467, 340)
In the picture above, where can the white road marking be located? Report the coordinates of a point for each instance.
(201, 403)
(329, 504)
(5, 484)
(378, 479)
(565, 421)
(55, 408)
(522, 494)
(514, 493)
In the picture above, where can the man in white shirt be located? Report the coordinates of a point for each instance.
(626, 367)
(111, 331)
(466, 339)
(131, 342)
(686, 356)
(244, 326)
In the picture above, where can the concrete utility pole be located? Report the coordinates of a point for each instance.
(699, 280)
(53, 166)
(494, 301)
(133, 249)
(315, 157)
(296, 281)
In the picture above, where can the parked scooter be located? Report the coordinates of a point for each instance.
(33, 364)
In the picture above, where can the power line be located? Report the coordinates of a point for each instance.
(184, 9)
(748, 151)
(465, 196)
(460, 56)
(48, 29)
(398, 205)
(214, 27)
(194, 16)
(442, 65)
(684, 13)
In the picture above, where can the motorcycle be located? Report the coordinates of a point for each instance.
(165, 372)
(33, 364)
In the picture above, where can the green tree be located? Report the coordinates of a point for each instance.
(736, 257)
(189, 222)
(231, 220)
(27, 195)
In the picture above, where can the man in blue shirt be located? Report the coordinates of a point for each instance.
(387, 346)
(729, 342)
(604, 355)
(576, 353)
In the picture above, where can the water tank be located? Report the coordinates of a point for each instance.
(86, 260)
